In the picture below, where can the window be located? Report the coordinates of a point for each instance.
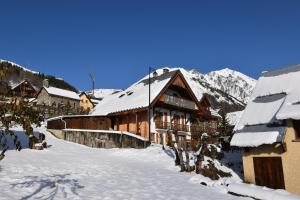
(296, 125)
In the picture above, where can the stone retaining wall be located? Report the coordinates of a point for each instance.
(101, 139)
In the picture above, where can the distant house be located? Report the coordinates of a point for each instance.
(24, 89)
(173, 108)
(56, 97)
(269, 131)
(86, 104)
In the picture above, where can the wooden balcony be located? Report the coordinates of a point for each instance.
(172, 126)
(202, 128)
(178, 102)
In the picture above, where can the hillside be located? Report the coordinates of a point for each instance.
(17, 74)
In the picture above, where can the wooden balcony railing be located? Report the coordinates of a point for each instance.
(202, 128)
(180, 102)
(194, 128)
(172, 126)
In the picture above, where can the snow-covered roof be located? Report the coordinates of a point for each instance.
(102, 93)
(62, 93)
(275, 98)
(15, 85)
(253, 136)
(136, 96)
(234, 117)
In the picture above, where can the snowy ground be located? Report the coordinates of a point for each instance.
(72, 171)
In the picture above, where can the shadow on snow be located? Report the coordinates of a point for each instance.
(49, 187)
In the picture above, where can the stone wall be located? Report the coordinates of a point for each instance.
(100, 139)
(49, 100)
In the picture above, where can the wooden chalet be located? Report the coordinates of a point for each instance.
(173, 108)
(24, 89)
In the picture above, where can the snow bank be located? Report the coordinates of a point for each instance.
(262, 193)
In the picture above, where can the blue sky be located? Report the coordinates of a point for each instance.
(119, 40)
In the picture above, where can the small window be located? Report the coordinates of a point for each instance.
(296, 124)
(86, 101)
(121, 95)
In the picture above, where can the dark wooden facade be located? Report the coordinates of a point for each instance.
(24, 89)
(80, 122)
(134, 122)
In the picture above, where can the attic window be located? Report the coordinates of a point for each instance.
(129, 93)
(121, 95)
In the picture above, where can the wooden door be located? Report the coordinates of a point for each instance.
(176, 117)
(165, 120)
(268, 172)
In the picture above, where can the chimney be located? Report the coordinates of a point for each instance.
(46, 83)
(165, 70)
(155, 74)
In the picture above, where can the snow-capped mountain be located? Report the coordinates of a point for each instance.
(225, 88)
(232, 82)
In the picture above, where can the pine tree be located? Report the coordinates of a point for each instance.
(224, 126)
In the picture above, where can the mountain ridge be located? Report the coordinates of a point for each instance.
(225, 88)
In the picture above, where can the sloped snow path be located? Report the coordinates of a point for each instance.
(71, 171)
